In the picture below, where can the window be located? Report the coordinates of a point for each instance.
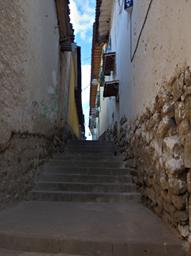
(111, 89)
(108, 63)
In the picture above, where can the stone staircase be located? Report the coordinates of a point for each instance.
(89, 171)
(84, 203)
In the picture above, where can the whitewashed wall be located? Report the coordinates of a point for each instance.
(165, 42)
(29, 66)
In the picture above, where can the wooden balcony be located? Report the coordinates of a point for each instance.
(108, 63)
(111, 89)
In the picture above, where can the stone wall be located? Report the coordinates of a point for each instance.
(19, 163)
(158, 145)
(29, 88)
(21, 159)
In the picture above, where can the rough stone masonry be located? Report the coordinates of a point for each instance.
(19, 162)
(158, 145)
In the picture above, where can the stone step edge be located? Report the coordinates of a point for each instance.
(7, 252)
(46, 173)
(96, 145)
(90, 172)
(88, 154)
(38, 244)
(86, 183)
(84, 164)
(85, 187)
(96, 168)
(85, 193)
(90, 142)
(85, 161)
(90, 149)
(90, 145)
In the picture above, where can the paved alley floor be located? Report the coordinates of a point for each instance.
(86, 229)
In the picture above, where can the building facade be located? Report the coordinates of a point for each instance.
(140, 96)
(40, 87)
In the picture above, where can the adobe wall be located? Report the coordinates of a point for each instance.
(29, 78)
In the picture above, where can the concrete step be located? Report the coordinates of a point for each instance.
(89, 154)
(4, 252)
(91, 229)
(90, 149)
(84, 187)
(85, 178)
(88, 171)
(87, 157)
(81, 164)
(90, 158)
(87, 248)
(90, 143)
(71, 196)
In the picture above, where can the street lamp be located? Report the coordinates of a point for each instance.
(94, 82)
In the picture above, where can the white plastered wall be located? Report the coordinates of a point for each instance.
(165, 43)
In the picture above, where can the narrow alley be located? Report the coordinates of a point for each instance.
(95, 128)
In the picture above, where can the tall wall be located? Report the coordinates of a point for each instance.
(152, 123)
(29, 66)
(160, 49)
(163, 46)
(29, 78)
(73, 119)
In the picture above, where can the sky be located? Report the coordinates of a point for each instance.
(82, 17)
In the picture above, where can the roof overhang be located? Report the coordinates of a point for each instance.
(101, 31)
(65, 27)
(103, 19)
(95, 68)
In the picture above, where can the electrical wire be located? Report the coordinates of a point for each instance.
(140, 34)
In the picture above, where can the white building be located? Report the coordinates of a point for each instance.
(141, 58)
(149, 40)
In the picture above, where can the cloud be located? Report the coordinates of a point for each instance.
(86, 71)
(82, 17)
